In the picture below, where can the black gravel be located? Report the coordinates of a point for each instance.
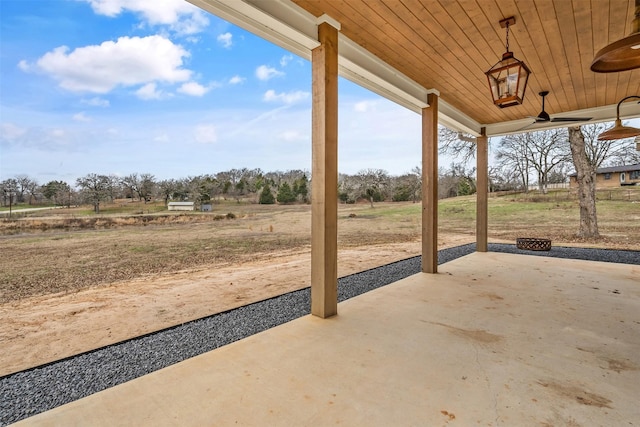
(36, 390)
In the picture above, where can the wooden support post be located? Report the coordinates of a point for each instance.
(324, 174)
(482, 191)
(430, 186)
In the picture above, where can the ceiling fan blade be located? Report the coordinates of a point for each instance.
(571, 119)
(537, 119)
(529, 125)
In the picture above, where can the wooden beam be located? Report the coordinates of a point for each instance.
(430, 186)
(324, 182)
(482, 191)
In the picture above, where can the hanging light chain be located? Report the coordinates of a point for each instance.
(507, 36)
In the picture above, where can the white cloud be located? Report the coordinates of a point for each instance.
(96, 102)
(286, 98)
(24, 66)
(10, 131)
(126, 62)
(206, 134)
(236, 80)
(225, 40)
(81, 117)
(265, 72)
(148, 92)
(179, 15)
(364, 106)
(284, 61)
(193, 89)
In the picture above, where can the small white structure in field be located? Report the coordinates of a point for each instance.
(206, 207)
(181, 206)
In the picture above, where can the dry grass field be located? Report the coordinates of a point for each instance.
(66, 250)
(72, 281)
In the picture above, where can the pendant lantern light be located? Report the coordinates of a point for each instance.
(508, 77)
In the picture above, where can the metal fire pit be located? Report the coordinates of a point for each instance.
(533, 244)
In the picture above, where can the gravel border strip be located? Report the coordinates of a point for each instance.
(30, 392)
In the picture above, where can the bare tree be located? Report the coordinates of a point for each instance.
(114, 187)
(559, 173)
(24, 184)
(167, 189)
(547, 150)
(95, 188)
(586, 177)
(541, 152)
(347, 188)
(131, 185)
(33, 189)
(599, 152)
(200, 189)
(628, 154)
(503, 178)
(372, 184)
(146, 187)
(457, 181)
(512, 155)
(457, 144)
(588, 155)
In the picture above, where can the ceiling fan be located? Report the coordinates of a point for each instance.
(544, 116)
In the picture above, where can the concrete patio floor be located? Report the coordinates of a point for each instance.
(493, 340)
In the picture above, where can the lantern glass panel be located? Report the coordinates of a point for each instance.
(522, 82)
(507, 81)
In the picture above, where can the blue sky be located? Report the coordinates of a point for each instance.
(161, 87)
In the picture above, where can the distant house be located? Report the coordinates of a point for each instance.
(181, 206)
(614, 176)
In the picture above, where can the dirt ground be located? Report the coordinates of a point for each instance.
(46, 328)
(65, 293)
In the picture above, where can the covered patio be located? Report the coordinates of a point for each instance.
(494, 339)
(431, 57)
(487, 339)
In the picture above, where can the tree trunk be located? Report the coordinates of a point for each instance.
(540, 183)
(586, 184)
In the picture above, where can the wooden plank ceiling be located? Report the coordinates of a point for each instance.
(449, 44)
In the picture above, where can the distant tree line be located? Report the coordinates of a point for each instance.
(248, 185)
(252, 185)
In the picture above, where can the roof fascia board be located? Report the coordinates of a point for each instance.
(606, 113)
(289, 26)
(455, 119)
(279, 22)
